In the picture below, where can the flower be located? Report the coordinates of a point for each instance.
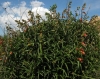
(11, 53)
(85, 35)
(80, 19)
(25, 30)
(1, 41)
(83, 44)
(82, 51)
(80, 59)
(83, 8)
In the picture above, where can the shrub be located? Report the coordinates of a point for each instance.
(56, 48)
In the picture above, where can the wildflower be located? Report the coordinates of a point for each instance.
(80, 19)
(11, 53)
(80, 59)
(83, 8)
(85, 35)
(25, 30)
(83, 44)
(1, 41)
(82, 51)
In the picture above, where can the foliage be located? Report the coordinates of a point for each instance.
(61, 47)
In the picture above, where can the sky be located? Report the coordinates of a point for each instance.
(11, 10)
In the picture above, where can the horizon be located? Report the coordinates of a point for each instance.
(11, 10)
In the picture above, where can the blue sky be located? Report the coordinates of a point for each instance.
(17, 8)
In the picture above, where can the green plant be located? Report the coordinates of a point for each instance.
(58, 48)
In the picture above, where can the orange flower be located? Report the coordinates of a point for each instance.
(82, 51)
(25, 30)
(11, 53)
(1, 41)
(80, 59)
(85, 35)
(83, 44)
(82, 8)
(80, 19)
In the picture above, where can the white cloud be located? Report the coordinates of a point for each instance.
(23, 4)
(10, 14)
(38, 9)
(36, 4)
(6, 4)
(20, 12)
(41, 11)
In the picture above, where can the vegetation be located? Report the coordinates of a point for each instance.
(60, 47)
